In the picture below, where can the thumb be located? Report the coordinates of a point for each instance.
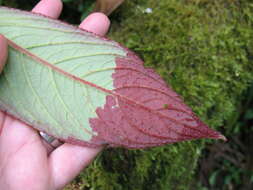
(3, 51)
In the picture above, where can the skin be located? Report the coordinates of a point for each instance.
(25, 161)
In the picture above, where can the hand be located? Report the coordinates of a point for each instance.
(24, 159)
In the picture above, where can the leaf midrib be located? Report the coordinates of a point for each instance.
(84, 82)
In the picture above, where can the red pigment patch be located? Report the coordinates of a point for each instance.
(134, 116)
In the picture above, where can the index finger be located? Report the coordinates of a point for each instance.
(50, 8)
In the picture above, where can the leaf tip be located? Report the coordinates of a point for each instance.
(218, 135)
(213, 134)
(222, 137)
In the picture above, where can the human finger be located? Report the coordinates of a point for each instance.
(50, 8)
(67, 161)
(97, 23)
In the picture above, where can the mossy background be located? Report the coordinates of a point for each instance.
(204, 50)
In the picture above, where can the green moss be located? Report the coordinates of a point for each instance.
(203, 49)
(157, 168)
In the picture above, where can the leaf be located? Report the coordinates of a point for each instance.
(88, 90)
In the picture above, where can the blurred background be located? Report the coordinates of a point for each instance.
(204, 50)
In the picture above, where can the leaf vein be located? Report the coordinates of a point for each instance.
(36, 95)
(63, 103)
(16, 100)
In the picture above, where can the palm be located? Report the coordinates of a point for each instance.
(24, 158)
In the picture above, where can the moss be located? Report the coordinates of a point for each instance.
(204, 50)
